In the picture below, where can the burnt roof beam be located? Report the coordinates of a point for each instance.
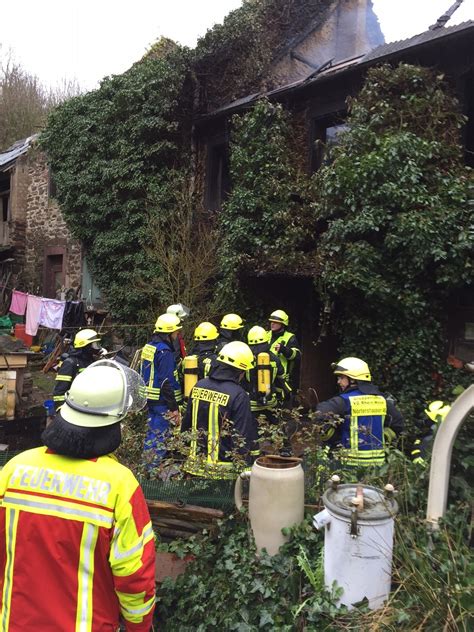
(303, 60)
(442, 20)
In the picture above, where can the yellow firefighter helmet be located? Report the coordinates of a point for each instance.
(237, 355)
(354, 368)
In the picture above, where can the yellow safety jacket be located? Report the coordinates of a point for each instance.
(363, 429)
(159, 372)
(76, 545)
(212, 403)
(288, 340)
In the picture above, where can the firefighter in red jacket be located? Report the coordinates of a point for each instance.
(76, 541)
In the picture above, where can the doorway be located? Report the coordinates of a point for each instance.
(53, 275)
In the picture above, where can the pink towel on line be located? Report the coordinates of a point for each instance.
(33, 313)
(18, 305)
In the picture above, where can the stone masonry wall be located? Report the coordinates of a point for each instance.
(46, 231)
(19, 184)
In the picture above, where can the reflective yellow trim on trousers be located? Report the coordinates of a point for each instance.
(271, 403)
(363, 458)
(194, 409)
(214, 469)
(222, 470)
(63, 378)
(11, 525)
(213, 435)
(85, 578)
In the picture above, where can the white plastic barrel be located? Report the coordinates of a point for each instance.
(276, 499)
(358, 543)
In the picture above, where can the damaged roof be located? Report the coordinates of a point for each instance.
(9, 156)
(379, 53)
(427, 36)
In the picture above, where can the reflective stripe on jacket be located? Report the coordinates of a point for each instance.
(205, 350)
(76, 362)
(76, 545)
(289, 340)
(362, 430)
(158, 367)
(212, 402)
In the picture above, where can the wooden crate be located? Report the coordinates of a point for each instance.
(7, 394)
(13, 360)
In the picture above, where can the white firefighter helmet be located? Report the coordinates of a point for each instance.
(103, 394)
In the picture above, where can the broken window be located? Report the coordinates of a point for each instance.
(325, 134)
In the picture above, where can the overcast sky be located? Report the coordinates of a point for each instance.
(85, 40)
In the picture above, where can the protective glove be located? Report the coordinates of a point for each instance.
(174, 417)
(284, 350)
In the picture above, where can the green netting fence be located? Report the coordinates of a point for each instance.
(215, 494)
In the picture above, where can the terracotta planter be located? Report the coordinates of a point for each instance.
(170, 565)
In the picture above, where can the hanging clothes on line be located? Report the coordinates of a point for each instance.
(33, 314)
(74, 315)
(52, 313)
(18, 304)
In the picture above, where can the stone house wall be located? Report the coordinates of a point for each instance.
(46, 233)
(17, 224)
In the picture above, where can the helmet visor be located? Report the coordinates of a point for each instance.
(134, 392)
(179, 310)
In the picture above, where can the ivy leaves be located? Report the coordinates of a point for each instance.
(109, 151)
(396, 202)
(246, 592)
(262, 223)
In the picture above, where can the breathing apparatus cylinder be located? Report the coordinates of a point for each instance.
(264, 374)
(190, 370)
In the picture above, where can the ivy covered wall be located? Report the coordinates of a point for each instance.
(115, 153)
(398, 241)
(266, 224)
(382, 229)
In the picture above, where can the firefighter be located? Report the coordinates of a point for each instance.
(87, 349)
(436, 413)
(76, 541)
(219, 416)
(164, 395)
(285, 345)
(230, 329)
(265, 381)
(182, 312)
(205, 343)
(366, 413)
